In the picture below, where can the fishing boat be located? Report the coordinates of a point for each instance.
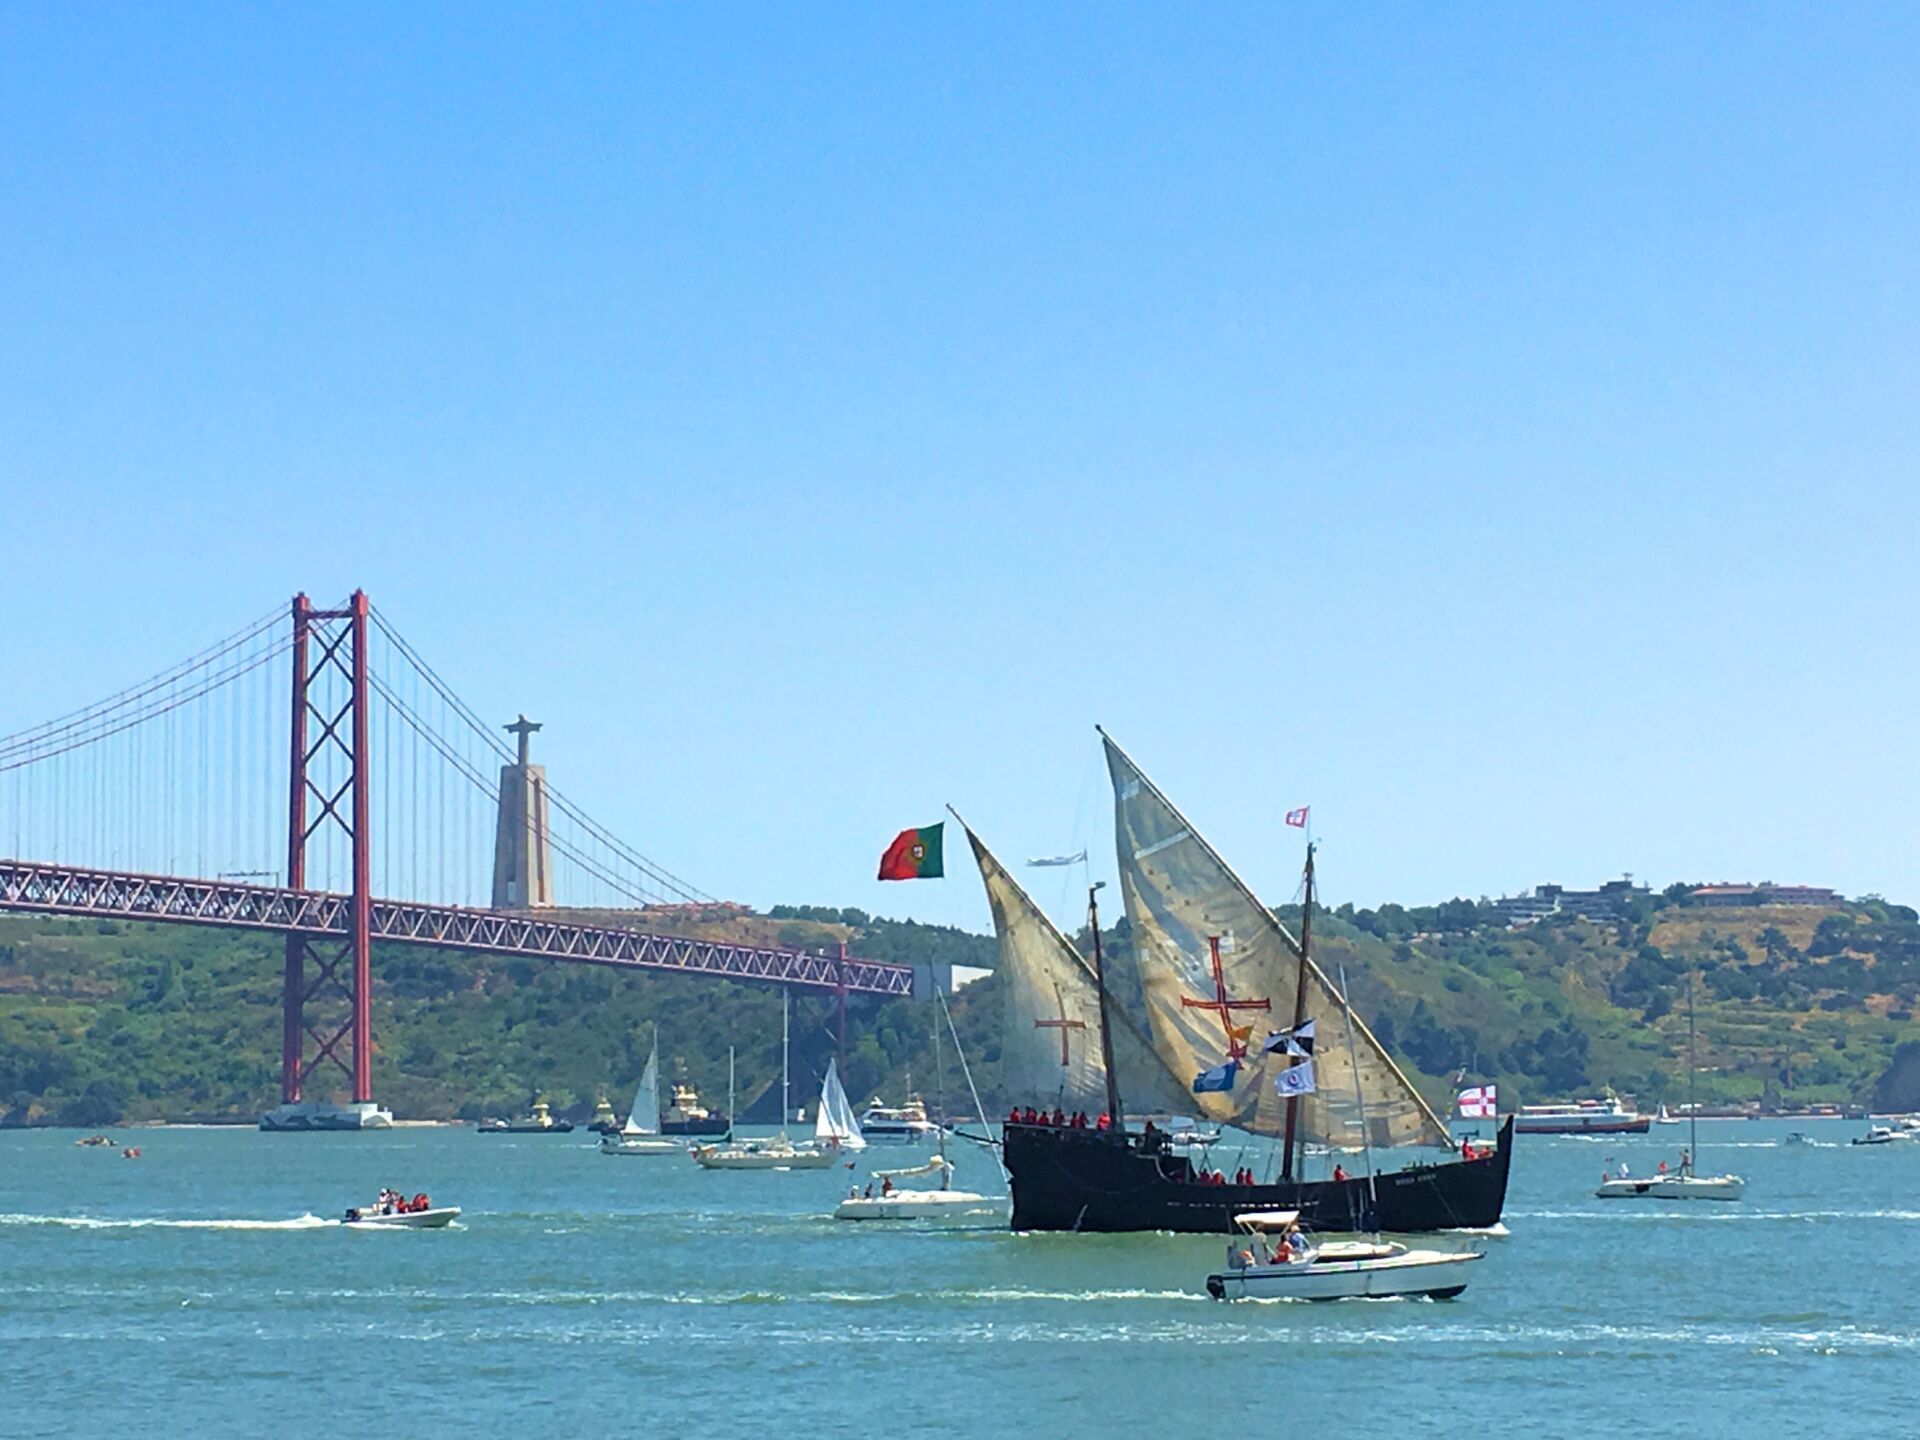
(1608, 1116)
(907, 1123)
(640, 1135)
(779, 1152)
(1299, 1269)
(537, 1121)
(1684, 1183)
(1207, 963)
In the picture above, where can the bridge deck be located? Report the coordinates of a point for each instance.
(72, 890)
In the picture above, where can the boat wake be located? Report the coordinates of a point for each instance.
(88, 1222)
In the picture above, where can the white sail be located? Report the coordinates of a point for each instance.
(835, 1121)
(644, 1118)
(1181, 899)
(1050, 1040)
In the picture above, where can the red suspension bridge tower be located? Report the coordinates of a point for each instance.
(329, 769)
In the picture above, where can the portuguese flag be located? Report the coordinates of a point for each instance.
(914, 855)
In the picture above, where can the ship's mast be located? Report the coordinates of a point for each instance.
(1106, 1034)
(1693, 1079)
(1299, 1012)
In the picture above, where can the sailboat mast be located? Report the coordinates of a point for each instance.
(786, 1101)
(1299, 1012)
(730, 1105)
(1693, 1079)
(1106, 1031)
(1359, 1098)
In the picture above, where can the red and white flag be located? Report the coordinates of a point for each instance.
(1298, 818)
(1480, 1103)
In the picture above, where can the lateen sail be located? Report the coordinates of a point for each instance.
(1050, 1044)
(835, 1121)
(644, 1118)
(1180, 897)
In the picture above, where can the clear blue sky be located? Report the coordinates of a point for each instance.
(1496, 426)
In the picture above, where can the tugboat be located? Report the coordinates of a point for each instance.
(537, 1121)
(604, 1121)
(687, 1116)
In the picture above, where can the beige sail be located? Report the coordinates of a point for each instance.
(1050, 1042)
(1180, 896)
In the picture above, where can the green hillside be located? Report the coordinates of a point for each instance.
(103, 1020)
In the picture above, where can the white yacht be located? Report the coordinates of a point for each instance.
(833, 1131)
(907, 1124)
(1681, 1184)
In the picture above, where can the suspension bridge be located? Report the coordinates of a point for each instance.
(312, 776)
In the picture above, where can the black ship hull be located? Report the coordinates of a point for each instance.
(1066, 1179)
(712, 1125)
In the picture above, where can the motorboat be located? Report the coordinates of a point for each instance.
(94, 1141)
(893, 1202)
(640, 1135)
(906, 1124)
(1882, 1135)
(304, 1115)
(1296, 1268)
(437, 1218)
(537, 1121)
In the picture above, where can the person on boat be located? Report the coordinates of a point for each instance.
(1059, 1117)
(869, 1194)
(886, 1186)
(1013, 1116)
(1466, 1148)
(1339, 1171)
(1105, 1122)
(1030, 1118)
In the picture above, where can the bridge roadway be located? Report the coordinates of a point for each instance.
(108, 894)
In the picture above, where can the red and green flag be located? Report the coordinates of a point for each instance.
(914, 855)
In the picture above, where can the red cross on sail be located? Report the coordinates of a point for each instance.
(1063, 1025)
(1224, 1005)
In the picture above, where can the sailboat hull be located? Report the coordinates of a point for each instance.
(1102, 1181)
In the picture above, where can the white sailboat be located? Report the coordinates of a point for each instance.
(641, 1133)
(1685, 1184)
(779, 1153)
(834, 1125)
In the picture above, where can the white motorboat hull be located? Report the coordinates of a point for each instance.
(1441, 1274)
(307, 1115)
(887, 1133)
(916, 1205)
(638, 1145)
(435, 1219)
(1698, 1187)
(1673, 1187)
(717, 1159)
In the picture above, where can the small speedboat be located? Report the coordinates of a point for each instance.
(1298, 1269)
(1881, 1135)
(393, 1211)
(433, 1219)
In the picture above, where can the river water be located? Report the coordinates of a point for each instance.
(203, 1289)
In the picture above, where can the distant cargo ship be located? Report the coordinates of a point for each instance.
(1583, 1117)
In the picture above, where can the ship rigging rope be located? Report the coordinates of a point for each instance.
(666, 879)
(88, 715)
